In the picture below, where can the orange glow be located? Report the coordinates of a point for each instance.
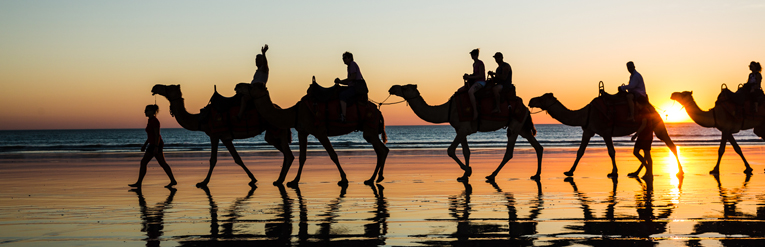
(673, 112)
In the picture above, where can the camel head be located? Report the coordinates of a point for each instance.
(543, 102)
(406, 91)
(682, 97)
(170, 92)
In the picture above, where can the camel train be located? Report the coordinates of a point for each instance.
(318, 114)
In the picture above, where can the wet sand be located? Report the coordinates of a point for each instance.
(83, 200)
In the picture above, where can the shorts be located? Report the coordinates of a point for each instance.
(348, 93)
(150, 147)
(482, 83)
(643, 144)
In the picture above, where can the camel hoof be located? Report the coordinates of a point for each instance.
(748, 171)
(568, 173)
(632, 174)
(462, 179)
(252, 184)
(468, 171)
(647, 176)
(369, 182)
(202, 184)
(292, 184)
(612, 175)
(490, 178)
(714, 172)
(535, 177)
(278, 182)
(380, 178)
(568, 179)
(343, 182)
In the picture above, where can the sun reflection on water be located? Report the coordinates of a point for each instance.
(670, 165)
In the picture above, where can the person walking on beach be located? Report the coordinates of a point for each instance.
(261, 76)
(644, 136)
(503, 79)
(153, 148)
(476, 80)
(356, 86)
(635, 90)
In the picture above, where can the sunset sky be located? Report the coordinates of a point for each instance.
(91, 64)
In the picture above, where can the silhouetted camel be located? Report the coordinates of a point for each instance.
(447, 112)
(593, 122)
(190, 121)
(722, 120)
(303, 120)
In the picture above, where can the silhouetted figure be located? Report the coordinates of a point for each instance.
(644, 136)
(357, 87)
(154, 149)
(502, 80)
(476, 80)
(635, 90)
(751, 89)
(153, 217)
(261, 76)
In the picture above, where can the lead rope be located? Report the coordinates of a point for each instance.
(380, 104)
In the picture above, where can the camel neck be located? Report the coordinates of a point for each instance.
(701, 117)
(182, 116)
(431, 114)
(569, 117)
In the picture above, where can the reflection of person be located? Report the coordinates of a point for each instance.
(153, 217)
(635, 90)
(154, 149)
(353, 81)
(503, 79)
(476, 80)
(261, 76)
(644, 136)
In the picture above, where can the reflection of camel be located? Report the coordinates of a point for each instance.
(593, 122)
(722, 120)
(733, 221)
(153, 217)
(302, 119)
(447, 112)
(624, 230)
(191, 122)
(519, 227)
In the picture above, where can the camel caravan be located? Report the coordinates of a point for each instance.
(481, 105)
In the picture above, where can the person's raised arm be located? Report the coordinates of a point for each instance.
(265, 61)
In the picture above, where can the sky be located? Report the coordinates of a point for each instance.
(91, 64)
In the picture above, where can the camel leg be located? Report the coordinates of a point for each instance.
(284, 147)
(382, 153)
(238, 160)
(720, 152)
(213, 161)
(586, 135)
(452, 151)
(324, 140)
(511, 138)
(539, 149)
(736, 148)
(611, 153)
(661, 132)
(466, 154)
(303, 140)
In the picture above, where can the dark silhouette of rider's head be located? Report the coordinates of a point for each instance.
(755, 67)
(474, 53)
(347, 57)
(631, 67)
(498, 57)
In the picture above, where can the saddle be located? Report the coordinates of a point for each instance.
(325, 106)
(509, 105)
(616, 111)
(221, 114)
(739, 105)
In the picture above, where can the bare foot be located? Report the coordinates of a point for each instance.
(171, 184)
(135, 185)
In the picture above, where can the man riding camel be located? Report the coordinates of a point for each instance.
(502, 80)
(635, 90)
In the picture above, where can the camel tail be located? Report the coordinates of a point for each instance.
(382, 129)
(528, 125)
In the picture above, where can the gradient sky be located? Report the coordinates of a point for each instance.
(91, 64)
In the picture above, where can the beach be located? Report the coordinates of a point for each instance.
(84, 200)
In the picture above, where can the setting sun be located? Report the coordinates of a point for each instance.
(673, 112)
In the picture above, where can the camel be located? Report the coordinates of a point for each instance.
(279, 139)
(303, 120)
(722, 120)
(447, 112)
(593, 122)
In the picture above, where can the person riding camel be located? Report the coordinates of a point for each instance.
(503, 79)
(751, 89)
(635, 90)
(475, 81)
(260, 76)
(356, 84)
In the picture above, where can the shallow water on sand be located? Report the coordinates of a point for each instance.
(84, 201)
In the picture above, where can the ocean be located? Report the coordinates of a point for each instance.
(399, 137)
